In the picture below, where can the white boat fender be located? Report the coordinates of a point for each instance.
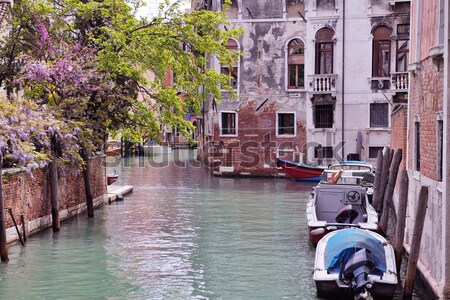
(318, 231)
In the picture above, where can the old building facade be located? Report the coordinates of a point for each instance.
(318, 79)
(427, 140)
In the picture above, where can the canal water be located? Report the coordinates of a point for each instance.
(181, 234)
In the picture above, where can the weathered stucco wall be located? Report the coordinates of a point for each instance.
(29, 195)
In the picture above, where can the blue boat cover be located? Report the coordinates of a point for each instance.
(346, 242)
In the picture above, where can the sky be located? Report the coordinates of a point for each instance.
(151, 8)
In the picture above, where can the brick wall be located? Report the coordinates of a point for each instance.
(29, 194)
(399, 119)
(253, 152)
(426, 98)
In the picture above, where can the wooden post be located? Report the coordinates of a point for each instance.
(415, 243)
(53, 166)
(401, 219)
(24, 228)
(384, 178)
(87, 184)
(387, 200)
(3, 246)
(377, 180)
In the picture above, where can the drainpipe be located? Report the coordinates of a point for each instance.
(343, 79)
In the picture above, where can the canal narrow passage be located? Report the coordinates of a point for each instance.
(181, 234)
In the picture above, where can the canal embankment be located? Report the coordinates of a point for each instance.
(27, 197)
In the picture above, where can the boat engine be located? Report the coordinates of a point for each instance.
(346, 214)
(356, 271)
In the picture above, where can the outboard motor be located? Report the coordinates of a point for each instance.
(356, 271)
(346, 214)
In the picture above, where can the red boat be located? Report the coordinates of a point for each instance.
(301, 171)
(111, 178)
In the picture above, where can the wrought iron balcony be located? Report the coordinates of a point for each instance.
(399, 81)
(322, 84)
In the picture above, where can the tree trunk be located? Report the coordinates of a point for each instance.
(56, 224)
(3, 247)
(87, 184)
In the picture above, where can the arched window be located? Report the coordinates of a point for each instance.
(232, 71)
(324, 51)
(381, 51)
(296, 64)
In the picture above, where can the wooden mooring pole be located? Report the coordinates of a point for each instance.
(387, 200)
(377, 180)
(401, 219)
(384, 178)
(53, 166)
(415, 243)
(24, 228)
(3, 246)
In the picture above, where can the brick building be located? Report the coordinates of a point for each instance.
(315, 75)
(427, 138)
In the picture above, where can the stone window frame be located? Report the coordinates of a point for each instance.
(381, 44)
(277, 130)
(324, 36)
(235, 65)
(287, 64)
(221, 128)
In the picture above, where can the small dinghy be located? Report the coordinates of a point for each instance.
(354, 263)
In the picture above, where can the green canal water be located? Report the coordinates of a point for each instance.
(181, 234)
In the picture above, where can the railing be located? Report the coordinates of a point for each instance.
(399, 81)
(323, 83)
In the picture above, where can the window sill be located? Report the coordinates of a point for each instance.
(228, 135)
(387, 129)
(329, 129)
(285, 135)
(292, 90)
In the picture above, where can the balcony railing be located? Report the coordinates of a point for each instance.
(399, 82)
(323, 84)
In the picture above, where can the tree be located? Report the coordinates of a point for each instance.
(26, 134)
(94, 62)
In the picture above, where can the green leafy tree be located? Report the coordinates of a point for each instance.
(94, 62)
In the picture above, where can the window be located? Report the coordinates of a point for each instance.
(232, 71)
(417, 146)
(373, 151)
(228, 123)
(296, 64)
(327, 152)
(379, 113)
(323, 115)
(402, 55)
(324, 51)
(285, 124)
(381, 51)
(440, 149)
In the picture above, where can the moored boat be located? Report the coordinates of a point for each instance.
(301, 171)
(336, 206)
(355, 264)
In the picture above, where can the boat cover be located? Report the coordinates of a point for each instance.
(346, 242)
